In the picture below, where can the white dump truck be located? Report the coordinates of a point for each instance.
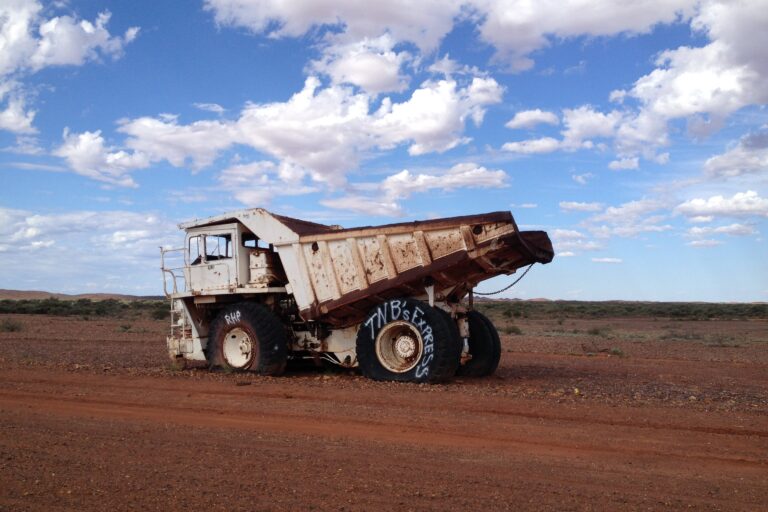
(251, 290)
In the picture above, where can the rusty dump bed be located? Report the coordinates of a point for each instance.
(352, 270)
(337, 275)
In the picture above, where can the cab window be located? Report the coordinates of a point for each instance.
(195, 250)
(218, 247)
(253, 242)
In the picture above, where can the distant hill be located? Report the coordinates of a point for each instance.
(38, 295)
(480, 298)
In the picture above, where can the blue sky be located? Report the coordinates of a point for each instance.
(635, 133)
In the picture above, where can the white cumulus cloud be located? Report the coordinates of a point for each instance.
(165, 139)
(704, 243)
(582, 179)
(366, 205)
(741, 204)
(570, 240)
(731, 229)
(422, 23)
(624, 164)
(404, 184)
(469, 175)
(370, 64)
(702, 84)
(15, 117)
(29, 42)
(319, 131)
(630, 219)
(210, 107)
(749, 156)
(533, 146)
(517, 28)
(87, 154)
(531, 118)
(256, 184)
(582, 126)
(65, 40)
(112, 243)
(575, 206)
(607, 260)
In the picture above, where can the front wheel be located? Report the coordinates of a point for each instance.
(407, 340)
(248, 337)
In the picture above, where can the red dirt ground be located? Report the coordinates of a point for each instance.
(642, 414)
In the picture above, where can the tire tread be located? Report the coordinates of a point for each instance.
(484, 345)
(273, 345)
(447, 350)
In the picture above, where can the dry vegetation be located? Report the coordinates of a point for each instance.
(86, 308)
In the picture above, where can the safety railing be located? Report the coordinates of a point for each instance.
(173, 274)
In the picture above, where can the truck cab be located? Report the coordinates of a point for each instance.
(228, 257)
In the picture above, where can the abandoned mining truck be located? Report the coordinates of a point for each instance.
(252, 290)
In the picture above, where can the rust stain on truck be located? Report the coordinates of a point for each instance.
(250, 280)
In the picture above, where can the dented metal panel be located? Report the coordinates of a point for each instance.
(444, 242)
(353, 268)
(404, 252)
(344, 266)
(372, 259)
(337, 274)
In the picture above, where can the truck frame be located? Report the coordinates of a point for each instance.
(251, 290)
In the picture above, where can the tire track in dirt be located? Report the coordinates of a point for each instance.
(332, 396)
(528, 482)
(391, 432)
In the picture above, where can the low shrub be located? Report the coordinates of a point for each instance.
(10, 325)
(160, 314)
(87, 308)
(614, 309)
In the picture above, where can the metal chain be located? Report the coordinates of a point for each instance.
(508, 287)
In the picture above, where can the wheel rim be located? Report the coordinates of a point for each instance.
(399, 346)
(238, 348)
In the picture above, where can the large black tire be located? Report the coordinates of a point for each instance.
(247, 336)
(484, 347)
(454, 329)
(407, 340)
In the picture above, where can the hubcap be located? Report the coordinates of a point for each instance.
(238, 348)
(405, 347)
(399, 346)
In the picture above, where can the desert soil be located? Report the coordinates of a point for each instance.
(613, 414)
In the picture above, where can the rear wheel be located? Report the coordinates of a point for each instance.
(484, 347)
(454, 330)
(407, 340)
(247, 337)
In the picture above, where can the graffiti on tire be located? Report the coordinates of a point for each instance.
(394, 310)
(233, 318)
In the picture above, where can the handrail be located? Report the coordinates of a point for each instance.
(170, 270)
(174, 279)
